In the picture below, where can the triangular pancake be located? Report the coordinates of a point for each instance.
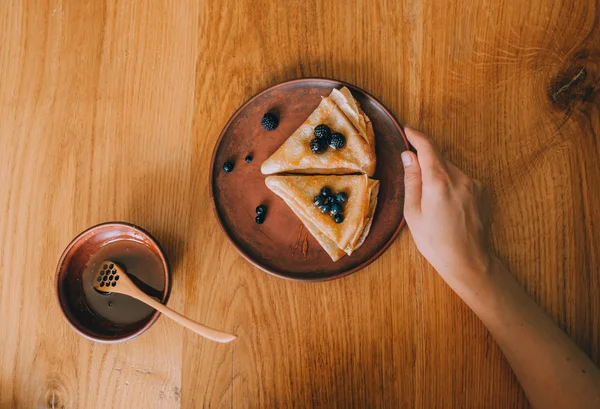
(374, 191)
(328, 245)
(299, 191)
(350, 107)
(342, 113)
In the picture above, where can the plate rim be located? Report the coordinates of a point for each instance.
(247, 257)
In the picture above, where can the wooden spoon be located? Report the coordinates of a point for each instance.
(112, 279)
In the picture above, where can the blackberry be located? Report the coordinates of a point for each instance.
(269, 122)
(337, 141)
(318, 145)
(322, 131)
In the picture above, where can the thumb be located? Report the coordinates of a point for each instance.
(412, 183)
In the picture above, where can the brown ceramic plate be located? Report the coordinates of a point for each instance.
(281, 246)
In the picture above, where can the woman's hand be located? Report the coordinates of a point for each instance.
(447, 212)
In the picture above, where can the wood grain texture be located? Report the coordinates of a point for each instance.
(129, 98)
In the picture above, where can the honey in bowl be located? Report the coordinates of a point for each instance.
(141, 265)
(111, 317)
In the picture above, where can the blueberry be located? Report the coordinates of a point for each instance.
(326, 192)
(336, 208)
(319, 201)
(341, 197)
(326, 208)
(261, 209)
(260, 219)
(228, 167)
(248, 159)
(338, 218)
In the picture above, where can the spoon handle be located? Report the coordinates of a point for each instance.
(198, 328)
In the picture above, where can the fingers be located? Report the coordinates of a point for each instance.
(413, 184)
(430, 158)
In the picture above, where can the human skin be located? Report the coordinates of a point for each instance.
(447, 213)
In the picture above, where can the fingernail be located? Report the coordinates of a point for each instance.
(406, 158)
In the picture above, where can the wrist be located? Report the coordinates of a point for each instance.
(485, 287)
(474, 280)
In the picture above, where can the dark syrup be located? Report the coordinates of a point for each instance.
(141, 265)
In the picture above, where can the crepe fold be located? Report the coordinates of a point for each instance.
(342, 113)
(337, 239)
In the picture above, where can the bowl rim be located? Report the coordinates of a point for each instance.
(239, 249)
(155, 315)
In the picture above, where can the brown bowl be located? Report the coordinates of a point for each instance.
(82, 305)
(281, 246)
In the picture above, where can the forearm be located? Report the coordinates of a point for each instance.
(448, 215)
(553, 371)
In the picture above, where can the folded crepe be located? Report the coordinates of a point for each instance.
(342, 113)
(337, 239)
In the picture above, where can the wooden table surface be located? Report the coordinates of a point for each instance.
(109, 110)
